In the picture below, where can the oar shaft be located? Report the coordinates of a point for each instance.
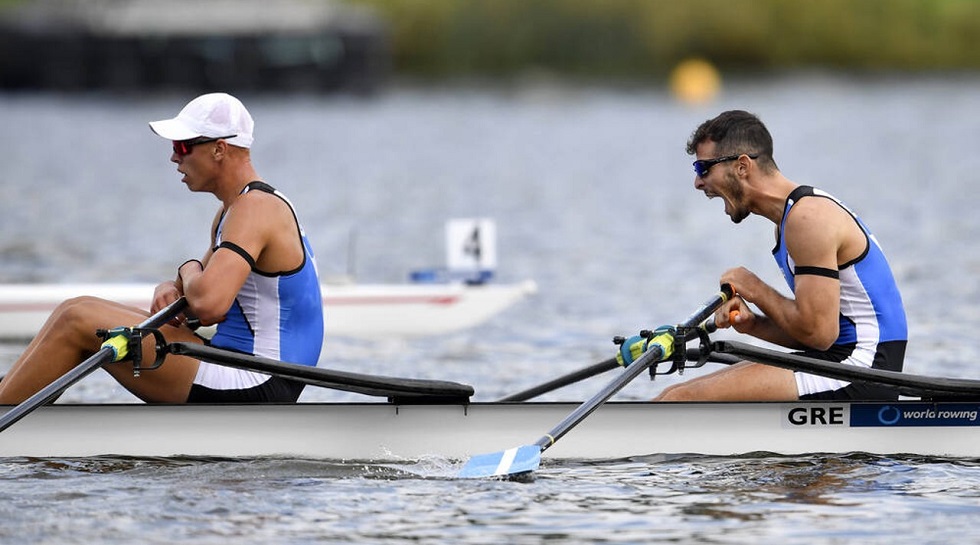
(585, 409)
(527, 458)
(80, 371)
(634, 370)
(563, 380)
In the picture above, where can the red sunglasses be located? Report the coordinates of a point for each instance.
(184, 147)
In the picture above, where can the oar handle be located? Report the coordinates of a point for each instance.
(725, 293)
(100, 358)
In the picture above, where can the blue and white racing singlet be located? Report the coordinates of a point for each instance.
(873, 329)
(275, 315)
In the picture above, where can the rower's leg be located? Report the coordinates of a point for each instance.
(68, 337)
(745, 381)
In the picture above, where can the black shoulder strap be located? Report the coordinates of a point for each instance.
(799, 193)
(261, 186)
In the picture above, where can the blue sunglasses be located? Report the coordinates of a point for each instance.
(701, 167)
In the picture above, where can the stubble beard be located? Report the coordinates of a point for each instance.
(736, 198)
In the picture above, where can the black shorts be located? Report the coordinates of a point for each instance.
(889, 356)
(856, 391)
(274, 390)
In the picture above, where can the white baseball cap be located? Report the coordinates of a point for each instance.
(214, 115)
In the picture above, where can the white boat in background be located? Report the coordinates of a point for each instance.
(350, 309)
(437, 301)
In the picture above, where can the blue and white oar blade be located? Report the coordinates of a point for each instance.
(500, 464)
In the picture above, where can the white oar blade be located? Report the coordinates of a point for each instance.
(499, 464)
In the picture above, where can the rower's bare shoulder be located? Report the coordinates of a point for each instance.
(819, 217)
(258, 207)
(815, 210)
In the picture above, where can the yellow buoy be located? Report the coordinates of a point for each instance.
(695, 81)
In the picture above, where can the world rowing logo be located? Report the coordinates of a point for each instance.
(915, 414)
(889, 415)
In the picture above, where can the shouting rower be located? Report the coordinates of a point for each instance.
(846, 306)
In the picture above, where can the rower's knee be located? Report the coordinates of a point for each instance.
(77, 314)
(679, 392)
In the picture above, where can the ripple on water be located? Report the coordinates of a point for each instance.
(757, 497)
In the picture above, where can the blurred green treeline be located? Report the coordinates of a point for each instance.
(643, 39)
